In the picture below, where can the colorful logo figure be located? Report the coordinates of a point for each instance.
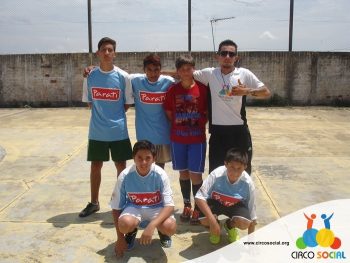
(226, 91)
(323, 237)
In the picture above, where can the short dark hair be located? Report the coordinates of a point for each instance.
(144, 145)
(227, 42)
(184, 60)
(236, 155)
(152, 59)
(107, 40)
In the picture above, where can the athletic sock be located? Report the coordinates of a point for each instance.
(185, 186)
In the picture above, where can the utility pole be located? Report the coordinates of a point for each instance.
(291, 11)
(189, 26)
(214, 20)
(89, 30)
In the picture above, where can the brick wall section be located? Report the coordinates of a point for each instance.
(298, 78)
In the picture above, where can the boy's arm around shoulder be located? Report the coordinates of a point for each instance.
(128, 92)
(87, 70)
(167, 104)
(170, 73)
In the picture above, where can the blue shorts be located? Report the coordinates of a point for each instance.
(188, 156)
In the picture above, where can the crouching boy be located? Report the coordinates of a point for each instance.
(229, 191)
(142, 197)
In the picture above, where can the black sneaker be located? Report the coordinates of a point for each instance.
(89, 209)
(130, 239)
(165, 241)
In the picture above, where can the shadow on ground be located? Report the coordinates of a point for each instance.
(150, 253)
(65, 220)
(200, 246)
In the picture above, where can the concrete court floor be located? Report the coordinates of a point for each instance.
(301, 157)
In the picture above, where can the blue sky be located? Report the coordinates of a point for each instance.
(49, 26)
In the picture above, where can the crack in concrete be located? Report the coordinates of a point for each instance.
(27, 184)
(46, 173)
(61, 163)
(13, 200)
(264, 188)
(14, 113)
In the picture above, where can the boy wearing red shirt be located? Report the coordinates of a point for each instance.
(186, 108)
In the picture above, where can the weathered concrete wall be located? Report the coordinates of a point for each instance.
(298, 78)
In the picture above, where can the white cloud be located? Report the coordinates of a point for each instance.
(267, 35)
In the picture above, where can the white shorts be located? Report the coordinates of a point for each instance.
(144, 215)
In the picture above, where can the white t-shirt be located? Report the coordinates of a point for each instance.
(226, 108)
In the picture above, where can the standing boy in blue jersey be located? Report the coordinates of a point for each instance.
(229, 191)
(151, 123)
(109, 92)
(142, 196)
(149, 91)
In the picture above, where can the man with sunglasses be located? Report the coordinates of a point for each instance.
(229, 87)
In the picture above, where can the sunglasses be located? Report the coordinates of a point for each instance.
(225, 53)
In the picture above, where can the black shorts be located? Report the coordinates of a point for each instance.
(237, 210)
(100, 151)
(223, 139)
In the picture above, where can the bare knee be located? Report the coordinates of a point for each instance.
(196, 178)
(184, 175)
(168, 227)
(127, 224)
